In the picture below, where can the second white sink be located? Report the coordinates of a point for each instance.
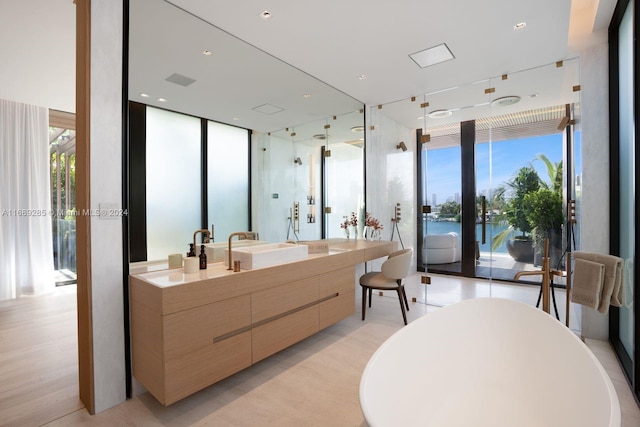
(259, 256)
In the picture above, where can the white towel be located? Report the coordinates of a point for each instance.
(617, 297)
(587, 283)
(611, 282)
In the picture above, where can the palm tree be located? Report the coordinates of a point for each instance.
(554, 173)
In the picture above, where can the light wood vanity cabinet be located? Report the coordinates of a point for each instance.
(189, 331)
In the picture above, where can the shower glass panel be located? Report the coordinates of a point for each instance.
(391, 170)
(471, 142)
(343, 176)
(293, 183)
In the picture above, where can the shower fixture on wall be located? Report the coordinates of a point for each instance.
(401, 146)
(297, 161)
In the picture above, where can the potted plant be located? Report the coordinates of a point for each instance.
(520, 246)
(546, 218)
(546, 214)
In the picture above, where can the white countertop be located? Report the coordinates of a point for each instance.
(487, 362)
(157, 273)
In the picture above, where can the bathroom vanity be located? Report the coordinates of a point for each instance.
(189, 331)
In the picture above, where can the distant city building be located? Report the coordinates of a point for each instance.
(434, 200)
(457, 198)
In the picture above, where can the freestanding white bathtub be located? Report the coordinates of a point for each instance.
(487, 362)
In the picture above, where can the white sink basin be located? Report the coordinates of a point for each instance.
(259, 256)
(218, 251)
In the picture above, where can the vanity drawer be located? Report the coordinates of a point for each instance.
(189, 330)
(337, 282)
(278, 334)
(194, 371)
(338, 308)
(284, 298)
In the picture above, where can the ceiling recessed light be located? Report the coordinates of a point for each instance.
(236, 119)
(439, 114)
(520, 26)
(357, 129)
(265, 15)
(207, 52)
(505, 101)
(534, 95)
(144, 95)
(362, 77)
(320, 136)
(162, 100)
(433, 55)
(307, 95)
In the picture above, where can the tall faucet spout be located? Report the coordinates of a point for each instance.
(205, 239)
(239, 234)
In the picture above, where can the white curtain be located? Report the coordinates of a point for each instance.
(26, 243)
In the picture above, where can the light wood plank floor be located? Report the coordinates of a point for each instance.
(38, 358)
(314, 383)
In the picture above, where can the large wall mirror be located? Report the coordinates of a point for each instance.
(191, 84)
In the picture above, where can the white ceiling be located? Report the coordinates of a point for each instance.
(318, 49)
(37, 50)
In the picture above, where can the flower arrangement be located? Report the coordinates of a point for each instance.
(373, 224)
(345, 224)
(352, 221)
(348, 222)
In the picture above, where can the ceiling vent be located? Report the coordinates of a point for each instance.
(433, 55)
(267, 109)
(179, 79)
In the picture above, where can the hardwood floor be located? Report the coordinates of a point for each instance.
(38, 358)
(313, 383)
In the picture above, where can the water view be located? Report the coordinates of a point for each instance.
(443, 227)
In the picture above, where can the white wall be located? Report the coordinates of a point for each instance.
(594, 100)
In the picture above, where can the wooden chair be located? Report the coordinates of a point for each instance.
(394, 270)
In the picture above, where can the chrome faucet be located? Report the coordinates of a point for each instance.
(239, 234)
(205, 239)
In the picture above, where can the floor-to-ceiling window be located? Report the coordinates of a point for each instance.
(624, 177)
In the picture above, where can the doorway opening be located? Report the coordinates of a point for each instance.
(62, 158)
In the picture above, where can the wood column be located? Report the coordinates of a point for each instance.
(83, 203)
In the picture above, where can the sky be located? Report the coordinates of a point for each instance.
(443, 165)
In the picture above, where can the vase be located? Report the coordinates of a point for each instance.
(346, 232)
(367, 233)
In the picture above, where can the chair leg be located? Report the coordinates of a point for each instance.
(370, 293)
(400, 299)
(404, 294)
(364, 301)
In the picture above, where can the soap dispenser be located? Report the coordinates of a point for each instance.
(192, 251)
(203, 258)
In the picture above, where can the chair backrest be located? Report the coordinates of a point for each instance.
(398, 264)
